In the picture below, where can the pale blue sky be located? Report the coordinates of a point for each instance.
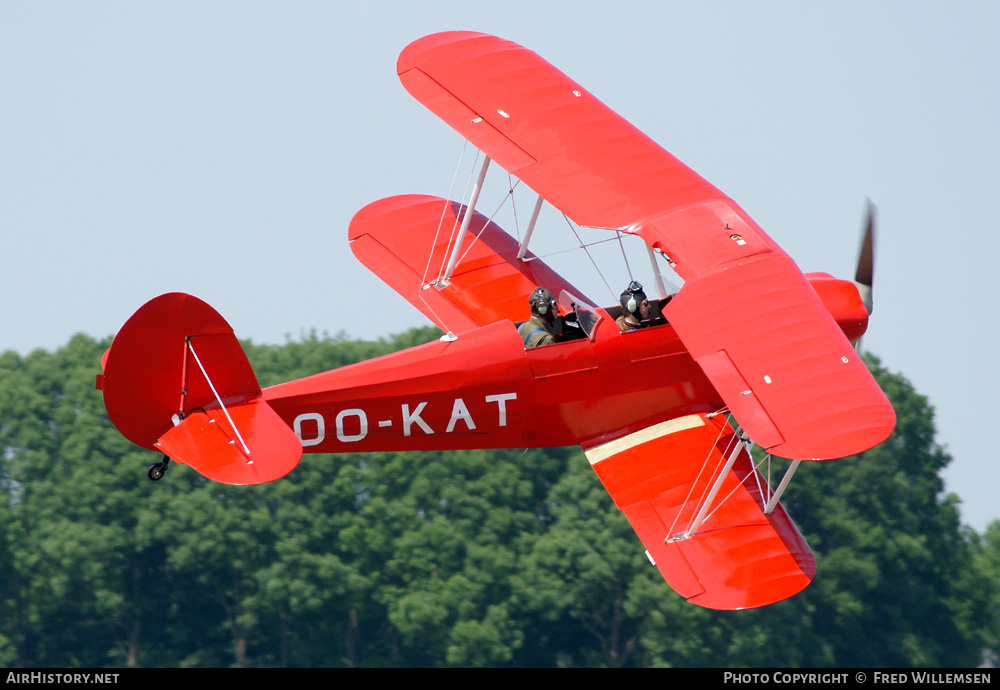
(221, 148)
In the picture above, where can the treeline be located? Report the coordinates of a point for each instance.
(479, 558)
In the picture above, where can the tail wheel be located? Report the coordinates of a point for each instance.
(158, 469)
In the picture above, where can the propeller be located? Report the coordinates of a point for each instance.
(865, 274)
(863, 277)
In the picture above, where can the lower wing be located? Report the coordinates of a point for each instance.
(692, 495)
(406, 241)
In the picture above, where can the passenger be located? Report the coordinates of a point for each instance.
(636, 309)
(535, 331)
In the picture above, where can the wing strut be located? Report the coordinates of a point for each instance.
(769, 508)
(656, 272)
(466, 219)
(523, 248)
(723, 475)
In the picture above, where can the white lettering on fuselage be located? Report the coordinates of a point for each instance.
(409, 419)
(362, 418)
(460, 411)
(352, 423)
(501, 400)
(320, 428)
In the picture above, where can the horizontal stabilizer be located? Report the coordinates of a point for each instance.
(244, 444)
(722, 552)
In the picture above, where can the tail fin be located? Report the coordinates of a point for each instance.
(177, 380)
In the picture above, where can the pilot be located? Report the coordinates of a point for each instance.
(535, 331)
(636, 309)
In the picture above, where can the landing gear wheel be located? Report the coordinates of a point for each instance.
(157, 470)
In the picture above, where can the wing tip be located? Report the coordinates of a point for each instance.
(850, 432)
(412, 54)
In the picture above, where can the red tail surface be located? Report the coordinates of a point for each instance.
(177, 380)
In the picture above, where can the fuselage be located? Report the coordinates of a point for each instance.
(485, 390)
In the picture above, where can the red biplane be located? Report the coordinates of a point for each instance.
(747, 336)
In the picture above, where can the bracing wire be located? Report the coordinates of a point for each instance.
(539, 257)
(583, 246)
(513, 184)
(714, 477)
(764, 491)
(756, 469)
(621, 245)
(489, 221)
(444, 210)
(687, 498)
(457, 224)
(218, 398)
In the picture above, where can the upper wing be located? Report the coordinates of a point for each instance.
(737, 557)
(746, 312)
(406, 240)
(554, 135)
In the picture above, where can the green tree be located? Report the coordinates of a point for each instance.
(579, 575)
(977, 604)
(477, 558)
(75, 568)
(444, 532)
(888, 547)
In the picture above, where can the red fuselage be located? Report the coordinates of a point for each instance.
(484, 390)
